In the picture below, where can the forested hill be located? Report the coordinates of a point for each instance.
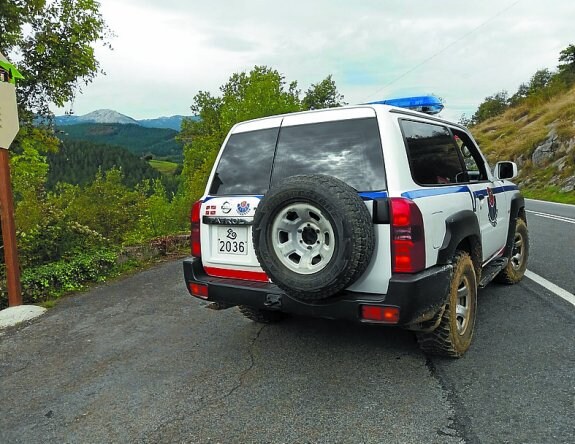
(77, 163)
(159, 142)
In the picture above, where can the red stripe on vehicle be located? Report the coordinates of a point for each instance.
(259, 276)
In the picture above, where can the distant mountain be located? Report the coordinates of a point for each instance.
(159, 142)
(98, 116)
(111, 116)
(172, 122)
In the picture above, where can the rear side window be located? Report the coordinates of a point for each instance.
(349, 150)
(246, 163)
(432, 153)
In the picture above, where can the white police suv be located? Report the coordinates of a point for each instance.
(377, 213)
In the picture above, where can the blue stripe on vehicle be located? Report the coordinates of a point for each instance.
(372, 195)
(495, 190)
(416, 194)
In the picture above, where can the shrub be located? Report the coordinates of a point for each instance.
(53, 279)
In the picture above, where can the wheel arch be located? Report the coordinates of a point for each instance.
(516, 210)
(462, 233)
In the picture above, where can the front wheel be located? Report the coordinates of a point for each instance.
(515, 268)
(453, 336)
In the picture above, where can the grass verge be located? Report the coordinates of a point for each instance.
(551, 194)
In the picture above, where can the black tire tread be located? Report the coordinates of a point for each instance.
(440, 342)
(508, 275)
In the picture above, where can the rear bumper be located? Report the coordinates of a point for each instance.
(418, 296)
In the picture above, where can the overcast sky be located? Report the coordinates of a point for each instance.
(166, 51)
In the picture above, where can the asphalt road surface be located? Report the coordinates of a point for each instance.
(138, 360)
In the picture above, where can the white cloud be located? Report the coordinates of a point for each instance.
(165, 52)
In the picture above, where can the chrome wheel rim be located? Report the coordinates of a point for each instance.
(463, 306)
(517, 253)
(303, 238)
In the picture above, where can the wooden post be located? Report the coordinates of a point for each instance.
(9, 126)
(9, 232)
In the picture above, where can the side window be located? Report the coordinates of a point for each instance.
(432, 153)
(473, 162)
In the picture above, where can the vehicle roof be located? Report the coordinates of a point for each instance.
(378, 108)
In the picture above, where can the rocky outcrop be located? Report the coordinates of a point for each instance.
(556, 154)
(568, 185)
(546, 151)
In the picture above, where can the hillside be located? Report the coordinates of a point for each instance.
(77, 163)
(539, 135)
(159, 142)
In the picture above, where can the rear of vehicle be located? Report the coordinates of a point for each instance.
(280, 228)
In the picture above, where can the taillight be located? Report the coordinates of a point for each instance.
(198, 290)
(195, 238)
(378, 313)
(407, 236)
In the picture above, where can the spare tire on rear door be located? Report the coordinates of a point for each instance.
(313, 236)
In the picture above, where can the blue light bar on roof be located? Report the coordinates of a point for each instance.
(424, 104)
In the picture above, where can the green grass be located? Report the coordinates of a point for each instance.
(163, 166)
(51, 303)
(551, 194)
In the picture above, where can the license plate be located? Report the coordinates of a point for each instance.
(232, 240)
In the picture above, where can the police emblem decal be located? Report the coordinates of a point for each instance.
(243, 208)
(491, 207)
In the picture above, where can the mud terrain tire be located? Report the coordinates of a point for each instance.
(453, 336)
(519, 256)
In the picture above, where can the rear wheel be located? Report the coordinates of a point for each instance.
(261, 316)
(517, 264)
(453, 336)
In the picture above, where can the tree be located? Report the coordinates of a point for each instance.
(323, 95)
(492, 106)
(540, 80)
(567, 59)
(261, 92)
(52, 41)
(522, 93)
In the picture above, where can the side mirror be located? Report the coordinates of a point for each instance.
(505, 170)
